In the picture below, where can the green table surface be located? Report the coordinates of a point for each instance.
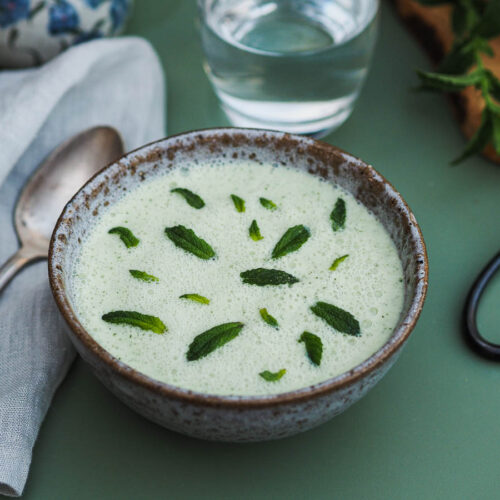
(430, 429)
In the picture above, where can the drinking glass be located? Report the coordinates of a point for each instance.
(291, 65)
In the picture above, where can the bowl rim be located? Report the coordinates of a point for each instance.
(369, 365)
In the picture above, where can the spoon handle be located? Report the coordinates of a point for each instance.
(14, 264)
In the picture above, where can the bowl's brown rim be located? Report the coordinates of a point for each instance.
(390, 348)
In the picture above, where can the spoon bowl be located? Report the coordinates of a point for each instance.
(51, 186)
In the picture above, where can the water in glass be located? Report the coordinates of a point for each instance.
(293, 65)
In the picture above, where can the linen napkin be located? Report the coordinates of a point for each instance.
(106, 82)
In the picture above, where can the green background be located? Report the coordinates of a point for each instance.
(431, 427)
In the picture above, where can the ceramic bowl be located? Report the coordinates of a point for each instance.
(239, 418)
(34, 31)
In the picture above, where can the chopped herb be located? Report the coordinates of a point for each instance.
(291, 241)
(337, 261)
(264, 277)
(272, 377)
(338, 215)
(195, 298)
(314, 347)
(270, 320)
(133, 318)
(206, 342)
(125, 235)
(192, 198)
(270, 205)
(141, 275)
(239, 203)
(336, 317)
(186, 239)
(254, 231)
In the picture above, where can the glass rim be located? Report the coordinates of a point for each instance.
(272, 53)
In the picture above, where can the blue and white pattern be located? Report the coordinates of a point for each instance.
(12, 11)
(63, 18)
(33, 31)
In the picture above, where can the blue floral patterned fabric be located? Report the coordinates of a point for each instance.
(63, 18)
(12, 11)
(119, 10)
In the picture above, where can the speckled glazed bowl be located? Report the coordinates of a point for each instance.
(239, 418)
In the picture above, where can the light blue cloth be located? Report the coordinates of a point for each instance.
(106, 82)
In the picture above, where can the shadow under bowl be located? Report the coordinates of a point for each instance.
(239, 418)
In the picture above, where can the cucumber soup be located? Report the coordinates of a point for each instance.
(238, 279)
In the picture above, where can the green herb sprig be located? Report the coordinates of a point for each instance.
(126, 235)
(270, 320)
(206, 342)
(254, 231)
(191, 198)
(141, 275)
(272, 377)
(133, 318)
(474, 23)
(195, 297)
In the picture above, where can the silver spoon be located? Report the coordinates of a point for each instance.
(52, 185)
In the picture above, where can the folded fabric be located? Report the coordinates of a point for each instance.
(105, 82)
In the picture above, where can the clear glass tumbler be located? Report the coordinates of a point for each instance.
(291, 65)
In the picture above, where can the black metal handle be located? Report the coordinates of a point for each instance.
(477, 341)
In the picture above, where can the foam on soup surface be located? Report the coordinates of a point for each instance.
(368, 284)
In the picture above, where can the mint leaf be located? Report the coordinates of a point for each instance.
(139, 320)
(480, 139)
(336, 317)
(291, 241)
(195, 298)
(239, 203)
(489, 26)
(337, 261)
(254, 231)
(270, 320)
(314, 347)
(268, 204)
(186, 239)
(495, 120)
(265, 277)
(125, 235)
(141, 275)
(192, 198)
(494, 84)
(460, 58)
(448, 83)
(338, 215)
(206, 342)
(463, 18)
(272, 377)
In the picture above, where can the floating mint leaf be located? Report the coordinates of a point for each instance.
(195, 298)
(186, 239)
(254, 231)
(141, 275)
(206, 342)
(336, 317)
(337, 261)
(270, 320)
(239, 203)
(125, 235)
(264, 277)
(291, 241)
(192, 198)
(314, 347)
(272, 377)
(338, 215)
(268, 204)
(139, 320)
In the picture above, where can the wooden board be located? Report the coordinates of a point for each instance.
(432, 27)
